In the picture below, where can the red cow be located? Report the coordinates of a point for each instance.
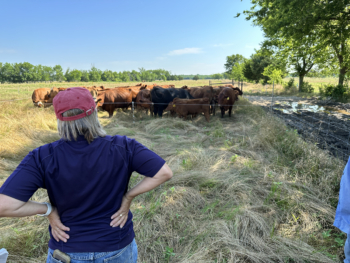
(143, 100)
(183, 107)
(227, 98)
(110, 100)
(40, 95)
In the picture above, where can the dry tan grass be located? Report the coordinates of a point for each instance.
(245, 188)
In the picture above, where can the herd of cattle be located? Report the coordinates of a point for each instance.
(156, 98)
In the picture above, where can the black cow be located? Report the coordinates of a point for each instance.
(162, 97)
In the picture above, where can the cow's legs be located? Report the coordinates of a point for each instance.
(160, 112)
(155, 110)
(222, 112)
(229, 111)
(207, 115)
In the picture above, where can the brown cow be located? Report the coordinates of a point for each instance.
(94, 93)
(183, 107)
(110, 100)
(143, 100)
(171, 108)
(165, 86)
(148, 86)
(53, 92)
(205, 92)
(40, 95)
(227, 98)
(135, 90)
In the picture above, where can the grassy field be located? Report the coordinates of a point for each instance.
(245, 188)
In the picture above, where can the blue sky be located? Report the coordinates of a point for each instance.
(185, 37)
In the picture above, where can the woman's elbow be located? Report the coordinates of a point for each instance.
(169, 174)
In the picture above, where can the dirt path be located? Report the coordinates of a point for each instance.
(326, 123)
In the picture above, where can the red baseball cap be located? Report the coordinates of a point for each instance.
(73, 98)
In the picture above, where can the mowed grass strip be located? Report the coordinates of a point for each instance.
(245, 188)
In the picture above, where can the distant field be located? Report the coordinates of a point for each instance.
(25, 90)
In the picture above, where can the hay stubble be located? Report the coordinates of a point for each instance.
(245, 188)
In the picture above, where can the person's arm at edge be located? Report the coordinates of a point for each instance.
(145, 185)
(11, 207)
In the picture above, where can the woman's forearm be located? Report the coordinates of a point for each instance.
(149, 183)
(11, 207)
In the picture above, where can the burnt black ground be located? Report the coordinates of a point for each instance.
(329, 130)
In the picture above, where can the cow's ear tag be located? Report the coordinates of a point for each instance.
(228, 98)
(174, 105)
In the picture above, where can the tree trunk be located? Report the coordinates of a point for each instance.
(342, 73)
(301, 81)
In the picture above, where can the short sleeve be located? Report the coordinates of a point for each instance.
(25, 180)
(144, 161)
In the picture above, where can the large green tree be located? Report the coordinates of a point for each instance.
(107, 75)
(58, 73)
(300, 55)
(73, 75)
(233, 60)
(297, 19)
(95, 74)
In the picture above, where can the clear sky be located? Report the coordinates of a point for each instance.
(184, 37)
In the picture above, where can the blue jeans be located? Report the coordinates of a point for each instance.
(347, 250)
(127, 254)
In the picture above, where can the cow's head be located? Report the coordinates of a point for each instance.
(100, 100)
(171, 107)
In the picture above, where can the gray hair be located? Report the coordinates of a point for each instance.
(88, 126)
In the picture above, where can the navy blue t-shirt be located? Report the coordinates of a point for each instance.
(86, 182)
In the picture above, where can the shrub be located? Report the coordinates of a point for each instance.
(336, 92)
(307, 87)
(290, 86)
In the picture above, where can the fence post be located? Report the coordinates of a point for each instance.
(241, 86)
(233, 83)
(273, 88)
(132, 108)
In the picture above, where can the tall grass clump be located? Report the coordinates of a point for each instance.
(245, 189)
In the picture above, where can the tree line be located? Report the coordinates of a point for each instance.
(302, 37)
(26, 72)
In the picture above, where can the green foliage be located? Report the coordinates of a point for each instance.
(254, 67)
(233, 60)
(336, 92)
(58, 73)
(85, 76)
(217, 76)
(95, 74)
(237, 72)
(23, 72)
(307, 87)
(199, 76)
(298, 20)
(196, 77)
(274, 74)
(290, 86)
(168, 253)
(74, 75)
(248, 73)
